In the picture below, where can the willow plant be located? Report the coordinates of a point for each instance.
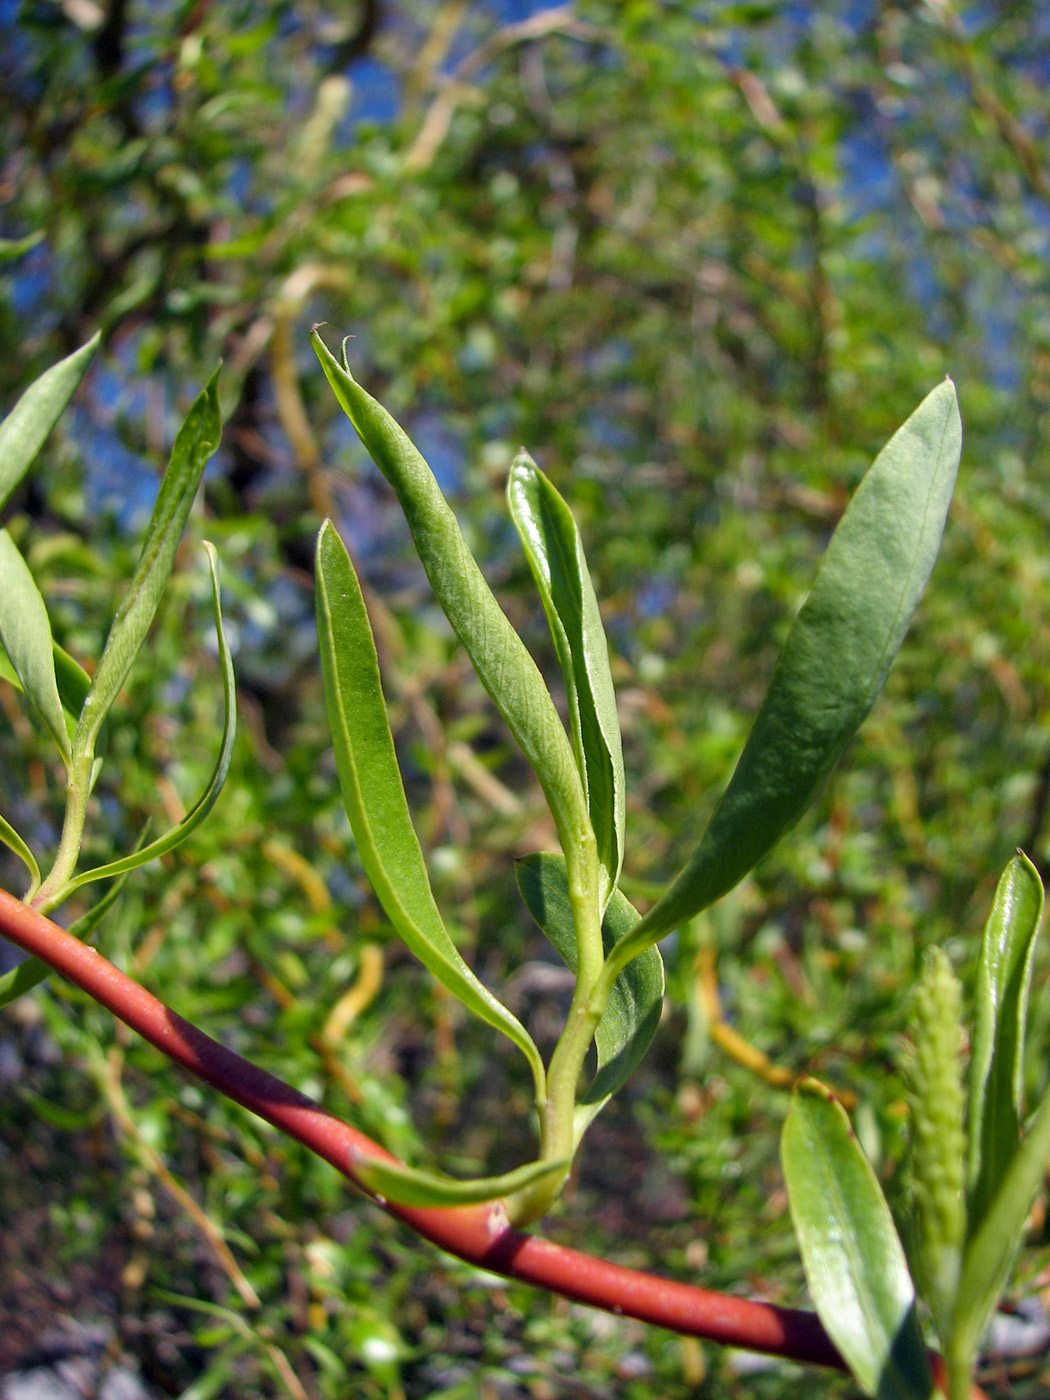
(976, 1168)
(974, 1172)
(832, 668)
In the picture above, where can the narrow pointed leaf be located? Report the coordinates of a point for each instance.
(25, 631)
(499, 656)
(32, 971)
(632, 1012)
(555, 553)
(23, 431)
(1004, 975)
(374, 795)
(207, 800)
(410, 1186)
(14, 842)
(834, 661)
(855, 1265)
(990, 1250)
(194, 445)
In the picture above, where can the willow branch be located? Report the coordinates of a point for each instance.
(480, 1235)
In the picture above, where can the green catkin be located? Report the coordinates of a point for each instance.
(938, 1136)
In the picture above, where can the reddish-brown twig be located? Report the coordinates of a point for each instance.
(479, 1234)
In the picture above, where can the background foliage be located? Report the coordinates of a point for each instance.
(701, 260)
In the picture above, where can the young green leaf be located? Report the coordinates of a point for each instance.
(555, 553)
(632, 1012)
(1004, 974)
(499, 656)
(410, 1186)
(25, 631)
(834, 662)
(207, 800)
(32, 971)
(991, 1247)
(23, 431)
(374, 795)
(14, 842)
(854, 1262)
(194, 445)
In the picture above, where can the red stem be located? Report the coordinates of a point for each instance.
(479, 1234)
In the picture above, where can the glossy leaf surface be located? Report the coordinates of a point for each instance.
(1011, 1173)
(555, 553)
(194, 445)
(208, 798)
(990, 1251)
(632, 1012)
(499, 656)
(1004, 975)
(23, 431)
(374, 795)
(25, 631)
(834, 661)
(855, 1265)
(410, 1186)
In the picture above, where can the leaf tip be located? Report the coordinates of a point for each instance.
(814, 1088)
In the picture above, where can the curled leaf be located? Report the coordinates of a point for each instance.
(411, 1186)
(208, 798)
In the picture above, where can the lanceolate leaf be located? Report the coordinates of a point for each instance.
(409, 1186)
(194, 444)
(632, 1012)
(206, 802)
(23, 431)
(555, 554)
(990, 1249)
(1004, 974)
(834, 662)
(854, 1261)
(373, 793)
(26, 635)
(499, 656)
